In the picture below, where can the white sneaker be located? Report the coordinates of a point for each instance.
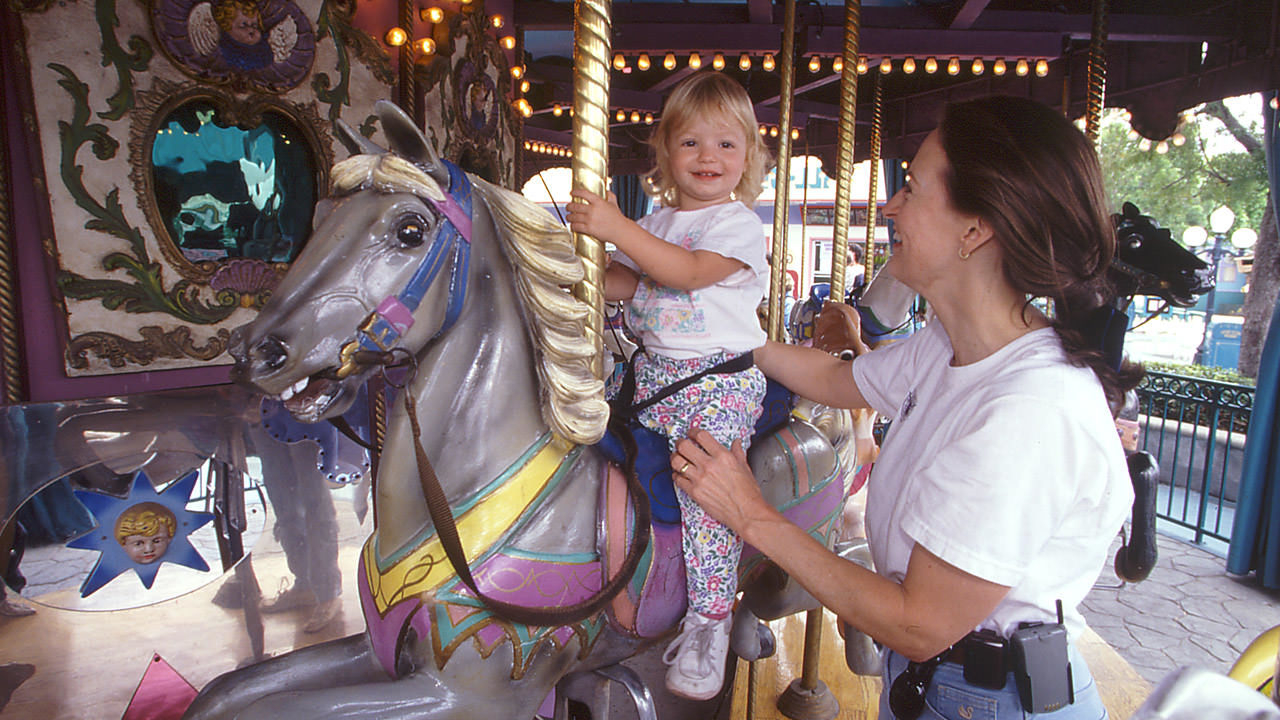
(697, 657)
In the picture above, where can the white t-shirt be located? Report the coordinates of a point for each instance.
(1009, 468)
(686, 324)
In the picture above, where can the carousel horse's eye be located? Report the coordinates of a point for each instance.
(412, 232)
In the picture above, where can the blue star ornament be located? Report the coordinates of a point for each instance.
(141, 531)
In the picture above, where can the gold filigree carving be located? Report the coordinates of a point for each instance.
(156, 343)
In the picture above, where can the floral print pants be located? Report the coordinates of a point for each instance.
(727, 406)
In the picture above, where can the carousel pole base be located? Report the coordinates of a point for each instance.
(800, 703)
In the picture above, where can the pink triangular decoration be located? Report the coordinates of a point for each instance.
(162, 693)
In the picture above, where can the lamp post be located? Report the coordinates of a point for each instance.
(1194, 237)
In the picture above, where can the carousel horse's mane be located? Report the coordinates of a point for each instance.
(542, 253)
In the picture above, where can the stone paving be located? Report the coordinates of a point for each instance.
(1188, 612)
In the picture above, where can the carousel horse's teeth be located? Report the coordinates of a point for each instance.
(286, 393)
(294, 389)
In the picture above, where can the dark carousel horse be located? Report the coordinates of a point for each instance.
(413, 261)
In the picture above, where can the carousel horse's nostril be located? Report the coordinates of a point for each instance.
(272, 353)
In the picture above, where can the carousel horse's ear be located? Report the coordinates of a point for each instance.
(407, 141)
(353, 141)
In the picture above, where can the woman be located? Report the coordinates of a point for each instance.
(1002, 481)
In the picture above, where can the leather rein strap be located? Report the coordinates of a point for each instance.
(447, 531)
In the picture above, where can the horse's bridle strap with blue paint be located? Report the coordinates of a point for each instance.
(383, 328)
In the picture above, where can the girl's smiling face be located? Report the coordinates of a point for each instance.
(707, 157)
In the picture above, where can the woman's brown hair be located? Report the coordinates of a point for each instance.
(1031, 174)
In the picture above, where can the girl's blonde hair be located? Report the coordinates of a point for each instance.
(702, 94)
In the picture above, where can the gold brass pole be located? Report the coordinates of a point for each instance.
(9, 340)
(592, 32)
(1097, 72)
(408, 88)
(782, 176)
(844, 151)
(877, 115)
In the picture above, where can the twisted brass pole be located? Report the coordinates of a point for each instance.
(844, 151)
(408, 88)
(782, 176)
(592, 32)
(9, 340)
(1097, 72)
(877, 121)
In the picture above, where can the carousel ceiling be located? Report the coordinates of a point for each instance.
(1162, 57)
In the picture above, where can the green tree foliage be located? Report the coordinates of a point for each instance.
(1181, 187)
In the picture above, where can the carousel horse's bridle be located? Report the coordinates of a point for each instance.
(383, 328)
(376, 343)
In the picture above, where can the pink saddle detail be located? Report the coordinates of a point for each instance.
(655, 599)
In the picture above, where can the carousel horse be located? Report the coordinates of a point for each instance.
(413, 262)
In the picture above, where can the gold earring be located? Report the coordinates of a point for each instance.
(964, 255)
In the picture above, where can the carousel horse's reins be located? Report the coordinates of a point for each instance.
(376, 344)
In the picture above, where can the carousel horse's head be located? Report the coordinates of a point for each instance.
(1149, 262)
(384, 272)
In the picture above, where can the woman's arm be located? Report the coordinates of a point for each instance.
(620, 282)
(932, 608)
(811, 373)
(670, 265)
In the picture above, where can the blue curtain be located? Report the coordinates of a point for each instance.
(1255, 536)
(632, 199)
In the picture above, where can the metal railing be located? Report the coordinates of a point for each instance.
(1196, 429)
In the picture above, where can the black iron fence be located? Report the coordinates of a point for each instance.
(1195, 428)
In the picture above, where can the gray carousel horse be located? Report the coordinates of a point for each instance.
(413, 261)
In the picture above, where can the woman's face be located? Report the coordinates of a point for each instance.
(929, 230)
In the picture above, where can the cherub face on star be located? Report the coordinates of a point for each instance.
(145, 531)
(241, 20)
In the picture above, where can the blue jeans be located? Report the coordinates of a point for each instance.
(951, 698)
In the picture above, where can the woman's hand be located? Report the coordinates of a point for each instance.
(719, 480)
(596, 216)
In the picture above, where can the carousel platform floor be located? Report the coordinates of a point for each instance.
(87, 664)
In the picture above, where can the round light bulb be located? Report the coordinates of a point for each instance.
(998, 67)
(517, 71)
(764, 130)
(648, 118)
(1022, 68)
(773, 131)
(886, 66)
(432, 14)
(744, 62)
(1162, 147)
(814, 64)
(524, 86)
(621, 115)
(978, 67)
(496, 21)
(1244, 238)
(642, 62)
(695, 60)
(795, 134)
(619, 61)
(953, 66)
(669, 62)
(635, 116)
(1178, 139)
(397, 37)
(557, 110)
(508, 42)
(862, 66)
(1144, 144)
(768, 63)
(1194, 236)
(931, 65)
(426, 46)
(909, 65)
(1042, 67)
(1221, 220)
(837, 64)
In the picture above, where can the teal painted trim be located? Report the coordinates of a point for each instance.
(580, 558)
